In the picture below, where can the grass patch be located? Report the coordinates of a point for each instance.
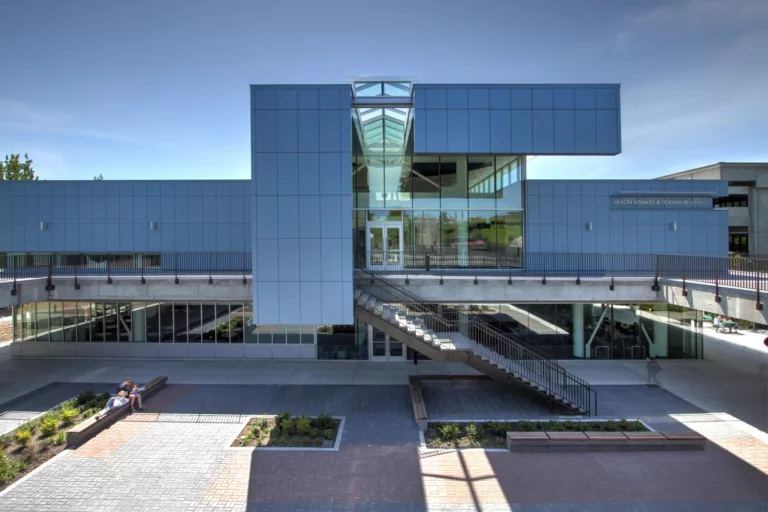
(38, 441)
(287, 431)
(492, 434)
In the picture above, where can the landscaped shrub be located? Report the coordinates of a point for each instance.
(5, 441)
(30, 425)
(524, 426)
(23, 437)
(287, 426)
(450, 431)
(49, 426)
(303, 424)
(472, 431)
(68, 415)
(61, 438)
(324, 421)
(9, 469)
(328, 434)
(498, 428)
(282, 416)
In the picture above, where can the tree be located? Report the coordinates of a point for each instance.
(14, 169)
(98, 178)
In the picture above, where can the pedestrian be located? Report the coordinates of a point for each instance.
(653, 368)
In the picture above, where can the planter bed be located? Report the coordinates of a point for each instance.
(286, 431)
(20, 453)
(493, 434)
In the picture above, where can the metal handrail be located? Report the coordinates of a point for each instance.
(501, 349)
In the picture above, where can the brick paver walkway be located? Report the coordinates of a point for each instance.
(175, 458)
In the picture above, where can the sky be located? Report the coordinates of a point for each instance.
(153, 89)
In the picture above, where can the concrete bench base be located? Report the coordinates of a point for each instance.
(417, 400)
(81, 433)
(603, 441)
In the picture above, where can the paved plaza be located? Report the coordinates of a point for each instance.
(175, 456)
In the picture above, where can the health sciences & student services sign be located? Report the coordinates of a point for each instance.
(660, 202)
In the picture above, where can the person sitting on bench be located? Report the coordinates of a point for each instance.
(133, 392)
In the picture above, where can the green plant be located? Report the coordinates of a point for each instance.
(303, 424)
(287, 425)
(61, 438)
(282, 416)
(524, 426)
(9, 469)
(498, 428)
(329, 434)
(472, 431)
(30, 425)
(23, 437)
(68, 415)
(450, 431)
(49, 426)
(5, 441)
(325, 421)
(84, 397)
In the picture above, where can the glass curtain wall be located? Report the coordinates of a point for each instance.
(462, 210)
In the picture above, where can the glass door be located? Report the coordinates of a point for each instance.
(384, 245)
(383, 348)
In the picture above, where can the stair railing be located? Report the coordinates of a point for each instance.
(501, 349)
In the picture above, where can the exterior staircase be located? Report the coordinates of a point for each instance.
(420, 326)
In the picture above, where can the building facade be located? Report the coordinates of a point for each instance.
(384, 175)
(746, 201)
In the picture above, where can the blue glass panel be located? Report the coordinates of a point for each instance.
(267, 307)
(585, 98)
(543, 98)
(478, 98)
(265, 173)
(308, 98)
(574, 209)
(420, 137)
(331, 264)
(309, 174)
(287, 131)
(607, 99)
(607, 123)
(521, 99)
(288, 217)
(479, 131)
(309, 131)
(543, 132)
(457, 99)
(575, 238)
(289, 259)
(500, 98)
(265, 131)
(546, 209)
(458, 130)
(546, 237)
(181, 237)
(268, 257)
(330, 217)
(436, 99)
(288, 174)
(586, 131)
(287, 99)
(436, 130)
(266, 213)
(311, 302)
(330, 98)
(330, 130)
(333, 311)
(501, 130)
(309, 259)
(290, 303)
(263, 98)
(330, 173)
(565, 136)
(563, 98)
(560, 237)
(196, 237)
(522, 131)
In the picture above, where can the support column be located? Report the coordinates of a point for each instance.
(139, 325)
(659, 347)
(462, 233)
(464, 323)
(14, 326)
(578, 330)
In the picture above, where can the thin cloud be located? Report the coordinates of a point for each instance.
(16, 115)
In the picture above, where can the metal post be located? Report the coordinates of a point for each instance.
(758, 305)
(109, 273)
(655, 286)
(176, 272)
(426, 261)
(49, 287)
(717, 281)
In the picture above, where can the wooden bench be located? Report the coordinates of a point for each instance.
(417, 400)
(601, 441)
(81, 433)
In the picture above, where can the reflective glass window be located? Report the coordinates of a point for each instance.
(124, 322)
(153, 322)
(208, 324)
(293, 334)
(251, 330)
(453, 182)
(237, 323)
(482, 182)
(397, 182)
(56, 321)
(167, 319)
(425, 182)
(509, 193)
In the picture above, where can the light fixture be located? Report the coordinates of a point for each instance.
(43, 226)
(588, 225)
(673, 226)
(153, 226)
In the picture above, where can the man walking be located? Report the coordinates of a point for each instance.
(653, 368)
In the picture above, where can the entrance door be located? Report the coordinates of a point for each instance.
(383, 348)
(384, 245)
